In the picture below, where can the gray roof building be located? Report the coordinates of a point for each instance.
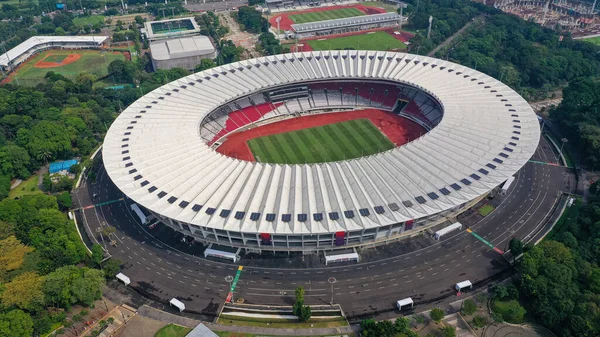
(185, 52)
(201, 331)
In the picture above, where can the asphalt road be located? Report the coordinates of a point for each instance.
(423, 274)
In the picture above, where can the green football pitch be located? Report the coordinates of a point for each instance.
(595, 40)
(332, 142)
(325, 15)
(371, 41)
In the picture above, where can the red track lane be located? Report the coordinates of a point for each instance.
(286, 23)
(399, 130)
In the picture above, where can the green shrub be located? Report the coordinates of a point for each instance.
(436, 314)
(469, 307)
(479, 321)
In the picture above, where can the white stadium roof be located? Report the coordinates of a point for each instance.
(154, 154)
(40, 40)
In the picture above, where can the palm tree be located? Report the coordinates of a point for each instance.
(44, 155)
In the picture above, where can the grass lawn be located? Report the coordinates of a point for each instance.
(325, 15)
(569, 215)
(595, 40)
(486, 209)
(289, 324)
(92, 61)
(87, 20)
(370, 41)
(172, 330)
(387, 6)
(332, 142)
(26, 187)
(52, 328)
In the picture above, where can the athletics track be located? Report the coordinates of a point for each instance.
(286, 23)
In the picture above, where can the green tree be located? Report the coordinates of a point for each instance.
(139, 20)
(300, 294)
(436, 314)
(23, 291)
(111, 267)
(497, 317)
(12, 254)
(205, 64)
(401, 325)
(516, 246)
(305, 313)
(16, 323)
(469, 307)
(97, 254)
(88, 288)
(64, 201)
(514, 313)
(448, 331)
(479, 321)
(75, 169)
(59, 31)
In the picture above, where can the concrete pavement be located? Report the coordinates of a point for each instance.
(424, 273)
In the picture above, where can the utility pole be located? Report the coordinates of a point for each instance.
(278, 25)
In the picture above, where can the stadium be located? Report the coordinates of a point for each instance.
(319, 150)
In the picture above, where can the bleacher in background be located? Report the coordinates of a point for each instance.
(405, 101)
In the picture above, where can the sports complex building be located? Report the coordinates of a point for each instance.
(166, 29)
(346, 25)
(36, 44)
(470, 133)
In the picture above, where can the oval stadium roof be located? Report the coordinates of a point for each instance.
(154, 154)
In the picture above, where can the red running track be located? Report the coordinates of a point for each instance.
(286, 23)
(399, 130)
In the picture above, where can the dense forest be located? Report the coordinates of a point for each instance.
(522, 54)
(579, 117)
(559, 280)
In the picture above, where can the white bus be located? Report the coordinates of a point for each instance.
(507, 184)
(140, 214)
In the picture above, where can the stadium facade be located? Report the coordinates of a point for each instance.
(346, 25)
(160, 152)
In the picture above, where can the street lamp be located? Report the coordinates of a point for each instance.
(563, 141)
(229, 279)
(331, 281)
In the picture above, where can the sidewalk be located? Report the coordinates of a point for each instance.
(166, 317)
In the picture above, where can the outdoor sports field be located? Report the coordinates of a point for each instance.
(68, 63)
(595, 40)
(378, 40)
(325, 15)
(331, 142)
